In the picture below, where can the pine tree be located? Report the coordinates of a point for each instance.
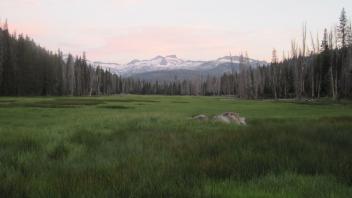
(324, 59)
(342, 29)
(9, 82)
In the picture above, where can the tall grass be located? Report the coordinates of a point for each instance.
(154, 150)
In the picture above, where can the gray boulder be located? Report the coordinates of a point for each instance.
(230, 117)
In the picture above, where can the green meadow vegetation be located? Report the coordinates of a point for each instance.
(147, 146)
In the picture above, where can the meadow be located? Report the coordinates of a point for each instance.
(146, 146)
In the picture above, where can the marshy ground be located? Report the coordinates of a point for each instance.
(146, 146)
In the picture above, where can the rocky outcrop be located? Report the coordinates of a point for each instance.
(227, 118)
(230, 117)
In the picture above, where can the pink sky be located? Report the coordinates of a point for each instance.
(121, 30)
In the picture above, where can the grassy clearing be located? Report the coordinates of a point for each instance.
(278, 186)
(145, 146)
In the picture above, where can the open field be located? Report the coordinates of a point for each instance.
(145, 146)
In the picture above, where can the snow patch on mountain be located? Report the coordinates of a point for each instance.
(158, 63)
(171, 63)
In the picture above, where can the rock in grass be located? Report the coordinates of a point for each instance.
(201, 117)
(230, 117)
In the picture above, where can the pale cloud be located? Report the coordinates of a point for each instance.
(145, 42)
(186, 42)
(120, 30)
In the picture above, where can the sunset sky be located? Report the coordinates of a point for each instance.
(122, 30)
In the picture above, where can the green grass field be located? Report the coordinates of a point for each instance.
(146, 146)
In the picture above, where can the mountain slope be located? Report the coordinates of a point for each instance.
(170, 67)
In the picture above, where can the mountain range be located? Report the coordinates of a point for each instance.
(171, 67)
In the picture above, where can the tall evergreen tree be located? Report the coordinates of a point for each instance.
(342, 29)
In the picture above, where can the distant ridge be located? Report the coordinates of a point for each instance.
(162, 67)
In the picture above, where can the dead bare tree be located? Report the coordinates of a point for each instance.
(302, 61)
(274, 73)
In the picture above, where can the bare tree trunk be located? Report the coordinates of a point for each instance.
(302, 62)
(332, 84)
(319, 87)
(313, 89)
(336, 85)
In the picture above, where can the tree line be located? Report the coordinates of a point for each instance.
(322, 70)
(319, 69)
(27, 69)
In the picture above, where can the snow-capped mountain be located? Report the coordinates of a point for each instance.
(186, 70)
(169, 63)
(172, 65)
(159, 63)
(162, 67)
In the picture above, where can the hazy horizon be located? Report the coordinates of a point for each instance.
(122, 30)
